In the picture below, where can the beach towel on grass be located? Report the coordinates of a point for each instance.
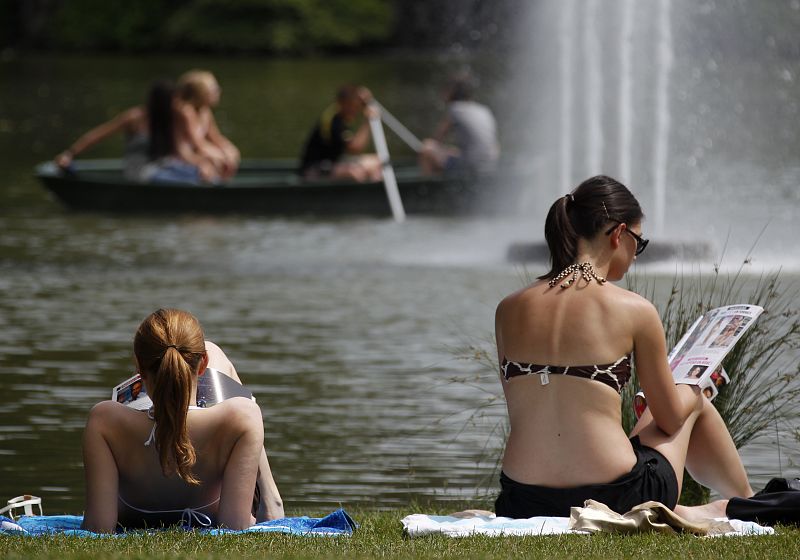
(335, 524)
(594, 517)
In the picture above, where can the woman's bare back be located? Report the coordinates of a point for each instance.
(562, 431)
(142, 484)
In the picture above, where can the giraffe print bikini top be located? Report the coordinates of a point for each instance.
(615, 375)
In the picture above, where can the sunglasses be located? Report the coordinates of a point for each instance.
(641, 242)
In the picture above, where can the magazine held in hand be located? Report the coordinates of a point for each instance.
(696, 358)
(213, 386)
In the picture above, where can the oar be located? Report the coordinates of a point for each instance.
(389, 180)
(397, 127)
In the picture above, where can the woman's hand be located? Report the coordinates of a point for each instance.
(64, 159)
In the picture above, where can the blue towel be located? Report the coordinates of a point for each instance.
(334, 524)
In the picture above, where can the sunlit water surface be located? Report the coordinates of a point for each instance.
(351, 333)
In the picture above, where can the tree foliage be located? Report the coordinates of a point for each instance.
(279, 26)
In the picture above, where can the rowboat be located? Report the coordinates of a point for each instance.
(272, 187)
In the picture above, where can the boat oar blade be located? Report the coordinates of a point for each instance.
(389, 179)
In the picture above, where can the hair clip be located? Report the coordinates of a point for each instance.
(605, 209)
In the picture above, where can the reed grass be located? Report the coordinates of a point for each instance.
(763, 366)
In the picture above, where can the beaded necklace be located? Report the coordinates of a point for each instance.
(585, 269)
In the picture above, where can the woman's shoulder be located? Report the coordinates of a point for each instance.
(638, 308)
(185, 110)
(237, 413)
(522, 296)
(110, 409)
(635, 301)
(110, 415)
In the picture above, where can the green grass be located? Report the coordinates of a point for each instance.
(380, 536)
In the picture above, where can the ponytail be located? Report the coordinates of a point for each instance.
(173, 386)
(582, 213)
(562, 240)
(169, 347)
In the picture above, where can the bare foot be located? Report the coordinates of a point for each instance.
(706, 512)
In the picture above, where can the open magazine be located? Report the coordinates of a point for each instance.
(696, 358)
(213, 386)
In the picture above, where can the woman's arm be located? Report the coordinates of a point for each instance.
(231, 152)
(100, 469)
(244, 424)
(122, 121)
(498, 336)
(670, 405)
(187, 149)
(190, 126)
(271, 504)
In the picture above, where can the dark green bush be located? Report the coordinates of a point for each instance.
(277, 26)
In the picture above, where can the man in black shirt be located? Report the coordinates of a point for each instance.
(334, 147)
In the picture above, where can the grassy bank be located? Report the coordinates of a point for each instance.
(380, 536)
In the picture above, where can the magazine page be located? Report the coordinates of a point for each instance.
(696, 357)
(213, 386)
(132, 393)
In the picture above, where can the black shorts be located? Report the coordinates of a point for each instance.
(652, 478)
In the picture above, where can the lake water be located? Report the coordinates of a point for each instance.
(351, 333)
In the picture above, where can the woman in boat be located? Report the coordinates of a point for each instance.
(566, 442)
(134, 125)
(198, 93)
(172, 155)
(158, 146)
(176, 462)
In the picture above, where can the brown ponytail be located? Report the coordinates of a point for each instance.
(169, 346)
(582, 213)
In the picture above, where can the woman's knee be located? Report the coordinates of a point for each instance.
(217, 359)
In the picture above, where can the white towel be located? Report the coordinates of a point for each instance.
(419, 524)
(583, 522)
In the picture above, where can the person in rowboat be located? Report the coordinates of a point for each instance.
(177, 462)
(158, 146)
(565, 347)
(133, 124)
(335, 146)
(197, 95)
(171, 157)
(473, 128)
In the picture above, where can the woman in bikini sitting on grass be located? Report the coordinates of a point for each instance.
(566, 442)
(177, 462)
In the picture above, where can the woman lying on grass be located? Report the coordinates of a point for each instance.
(566, 443)
(176, 462)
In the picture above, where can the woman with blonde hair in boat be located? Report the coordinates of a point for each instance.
(177, 462)
(198, 93)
